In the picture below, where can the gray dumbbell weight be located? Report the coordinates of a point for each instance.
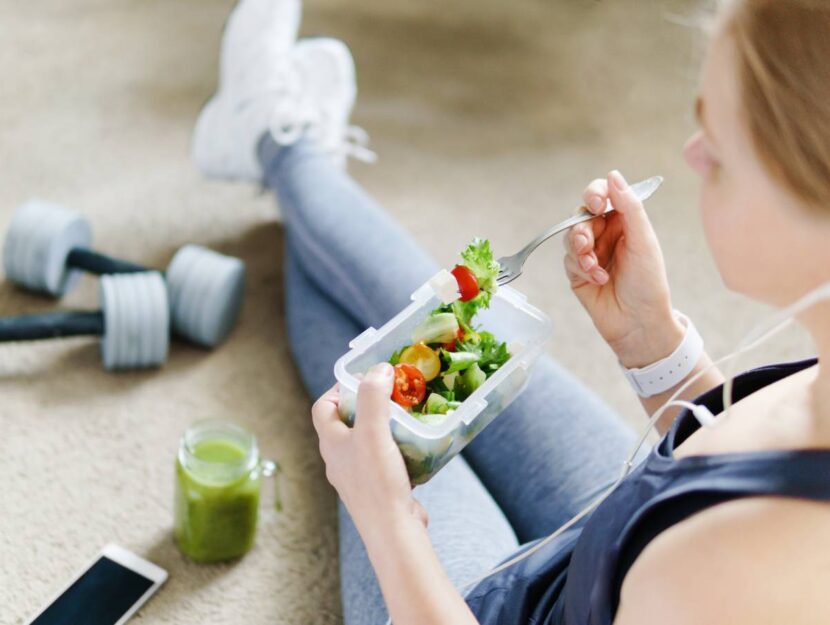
(47, 245)
(133, 323)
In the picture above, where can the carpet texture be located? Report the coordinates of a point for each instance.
(489, 118)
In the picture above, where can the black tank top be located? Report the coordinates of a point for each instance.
(576, 579)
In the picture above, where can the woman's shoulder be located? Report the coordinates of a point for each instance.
(775, 416)
(752, 560)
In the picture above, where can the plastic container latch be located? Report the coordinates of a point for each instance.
(363, 339)
(474, 408)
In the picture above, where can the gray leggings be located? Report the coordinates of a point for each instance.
(348, 265)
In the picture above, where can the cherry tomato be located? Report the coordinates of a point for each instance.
(450, 347)
(410, 386)
(467, 283)
(424, 358)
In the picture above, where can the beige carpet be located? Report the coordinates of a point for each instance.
(489, 118)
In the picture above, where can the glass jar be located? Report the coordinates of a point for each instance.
(218, 481)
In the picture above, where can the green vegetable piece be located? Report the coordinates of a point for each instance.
(471, 379)
(458, 361)
(465, 311)
(478, 257)
(437, 328)
(395, 358)
(436, 404)
(454, 405)
(493, 353)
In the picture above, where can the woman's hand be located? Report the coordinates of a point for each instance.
(365, 466)
(616, 269)
(363, 463)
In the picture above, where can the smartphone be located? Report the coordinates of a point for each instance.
(107, 592)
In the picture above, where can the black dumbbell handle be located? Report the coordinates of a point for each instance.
(51, 325)
(99, 264)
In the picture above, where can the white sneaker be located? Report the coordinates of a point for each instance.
(257, 34)
(267, 84)
(325, 100)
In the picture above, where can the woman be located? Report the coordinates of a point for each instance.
(723, 525)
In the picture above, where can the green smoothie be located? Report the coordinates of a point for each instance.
(217, 497)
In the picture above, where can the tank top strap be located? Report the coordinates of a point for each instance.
(743, 385)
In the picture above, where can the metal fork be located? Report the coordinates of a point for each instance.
(511, 266)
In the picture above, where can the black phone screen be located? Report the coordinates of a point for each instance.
(101, 596)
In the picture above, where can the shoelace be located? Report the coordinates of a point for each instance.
(356, 144)
(293, 118)
(287, 126)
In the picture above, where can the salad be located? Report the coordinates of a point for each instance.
(449, 357)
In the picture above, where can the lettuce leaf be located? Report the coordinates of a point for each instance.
(478, 257)
(458, 361)
(492, 354)
(395, 358)
(465, 311)
(437, 328)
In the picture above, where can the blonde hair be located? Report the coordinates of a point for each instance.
(783, 51)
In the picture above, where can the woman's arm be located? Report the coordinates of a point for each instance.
(642, 350)
(414, 585)
(366, 468)
(616, 270)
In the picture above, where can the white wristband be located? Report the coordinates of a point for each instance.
(662, 375)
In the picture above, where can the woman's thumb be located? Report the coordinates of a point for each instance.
(636, 225)
(373, 399)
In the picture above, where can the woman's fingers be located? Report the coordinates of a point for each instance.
(636, 225)
(582, 237)
(595, 196)
(583, 243)
(578, 276)
(326, 416)
(579, 239)
(420, 512)
(587, 261)
(373, 401)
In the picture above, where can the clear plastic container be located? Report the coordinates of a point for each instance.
(427, 448)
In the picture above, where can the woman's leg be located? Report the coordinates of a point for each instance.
(550, 451)
(469, 532)
(345, 242)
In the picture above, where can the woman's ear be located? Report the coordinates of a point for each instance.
(695, 154)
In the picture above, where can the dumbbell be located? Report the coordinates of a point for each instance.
(133, 323)
(47, 246)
